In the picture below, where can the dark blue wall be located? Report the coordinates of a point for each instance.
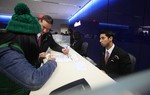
(2, 25)
(127, 38)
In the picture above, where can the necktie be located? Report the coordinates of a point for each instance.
(106, 57)
(39, 40)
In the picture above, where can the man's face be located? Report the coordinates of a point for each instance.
(45, 26)
(104, 40)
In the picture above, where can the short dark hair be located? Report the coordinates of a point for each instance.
(47, 18)
(108, 33)
(70, 30)
(77, 35)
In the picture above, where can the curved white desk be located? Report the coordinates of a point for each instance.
(71, 68)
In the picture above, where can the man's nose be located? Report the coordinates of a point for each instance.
(100, 40)
(44, 30)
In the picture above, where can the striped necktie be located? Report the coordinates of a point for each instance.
(39, 40)
(106, 57)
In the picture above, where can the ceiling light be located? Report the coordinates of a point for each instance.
(5, 17)
(76, 24)
(92, 5)
(89, 4)
(114, 25)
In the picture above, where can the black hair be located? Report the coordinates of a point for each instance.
(77, 35)
(27, 42)
(6, 37)
(47, 18)
(108, 33)
(70, 30)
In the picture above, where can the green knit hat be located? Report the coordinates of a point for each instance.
(23, 22)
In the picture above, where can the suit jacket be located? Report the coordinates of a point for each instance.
(116, 67)
(48, 41)
(77, 44)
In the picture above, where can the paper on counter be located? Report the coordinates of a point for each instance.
(62, 58)
(59, 58)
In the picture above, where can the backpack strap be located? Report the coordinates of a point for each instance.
(12, 45)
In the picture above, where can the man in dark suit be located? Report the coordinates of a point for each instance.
(113, 60)
(45, 38)
(77, 44)
(70, 32)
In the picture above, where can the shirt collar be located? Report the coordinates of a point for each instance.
(38, 35)
(111, 49)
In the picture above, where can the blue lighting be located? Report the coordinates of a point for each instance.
(89, 7)
(5, 18)
(114, 25)
(86, 7)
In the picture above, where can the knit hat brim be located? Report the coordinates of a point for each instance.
(20, 27)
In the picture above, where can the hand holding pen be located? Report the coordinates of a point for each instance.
(65, 50)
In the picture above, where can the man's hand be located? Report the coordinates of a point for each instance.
(42, 55)
(65, 51)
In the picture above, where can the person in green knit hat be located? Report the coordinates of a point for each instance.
(19, 55)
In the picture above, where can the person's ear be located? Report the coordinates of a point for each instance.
(111, 38)
(40, 20)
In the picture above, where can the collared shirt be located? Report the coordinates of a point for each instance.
(110, 50)
(38, 35)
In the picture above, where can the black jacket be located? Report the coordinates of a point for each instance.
(118, 64)
(48, 41)
(77, 46)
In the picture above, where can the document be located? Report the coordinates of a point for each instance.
(59, 58)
